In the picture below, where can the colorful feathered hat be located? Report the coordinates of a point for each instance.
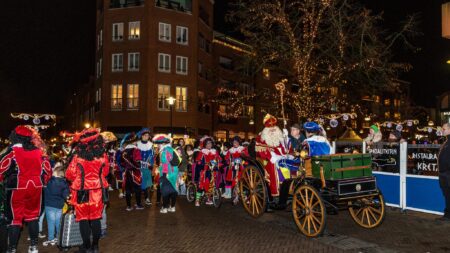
(205, 139)
(24, 131)
(143, 131)
(161, 139)
(128, 138)
(311, 126)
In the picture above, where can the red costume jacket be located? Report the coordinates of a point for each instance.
(231, 156)
(268, 153)
(130, 161)
(94, 208)
(26, 172)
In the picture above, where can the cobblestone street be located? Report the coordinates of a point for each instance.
(230, 229)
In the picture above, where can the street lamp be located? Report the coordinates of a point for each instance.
(87, 125)
(171, 101)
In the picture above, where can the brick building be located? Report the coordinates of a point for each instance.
(150, 50)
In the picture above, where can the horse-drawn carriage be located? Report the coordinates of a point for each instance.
(323, 184)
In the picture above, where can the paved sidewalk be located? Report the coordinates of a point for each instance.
(230, 229)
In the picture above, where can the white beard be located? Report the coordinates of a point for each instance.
(272, 139)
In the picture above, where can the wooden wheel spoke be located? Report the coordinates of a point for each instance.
(304, 222)
(368, 218)
(313, 223)
(309, 223)
(358, 212)
(299, 203)
(315, 218)
(375, 210)
(314, 205)
(311, 200)
(306, 197)
(372, 214)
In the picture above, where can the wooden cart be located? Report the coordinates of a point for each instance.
(325, 184)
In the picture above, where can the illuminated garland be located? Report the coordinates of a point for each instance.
(35, 116)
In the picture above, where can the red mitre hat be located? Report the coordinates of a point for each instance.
(24, 131)
(269, 121)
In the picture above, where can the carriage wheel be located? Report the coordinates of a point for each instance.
(253, 192)
(217, 198)
(368, 212)
(190, 192)
(308, 210)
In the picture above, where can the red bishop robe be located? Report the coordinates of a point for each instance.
(265, 152)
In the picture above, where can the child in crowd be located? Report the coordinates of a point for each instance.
(56, 194)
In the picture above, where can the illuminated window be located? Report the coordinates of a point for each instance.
(387, 102)
(387, 115)
(133, 96)
(133, 61)
(182, 35)
(134, 30)
(116, 97)
(163, 94)
(181, 99)
(266, 73)
(164, 32)
(397, 115)
(376, 99)
(249, 111)
(117, 32)
(334, 91)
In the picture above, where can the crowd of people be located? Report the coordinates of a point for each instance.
(139, 165)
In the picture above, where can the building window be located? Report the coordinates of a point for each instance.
(266, 73)
(163, 94)
(100, 65)
(98, 99)
(248, 111)
(101, 37)
(182, 35)
(117, 62)
(387, 115)
(334, 91)
(181, 99)
(133, 96)
(117, 33)
(201, 41)
(164, 32)
(397, 115)
(387, 102)
(200, 69)
(134, 30)
(116, 97)
(163, 62)
(97, 70)
(133, 61)
(182, 67)
(225, 62)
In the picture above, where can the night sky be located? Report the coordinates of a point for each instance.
(47, 48)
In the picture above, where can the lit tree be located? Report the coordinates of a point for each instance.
(332, 50)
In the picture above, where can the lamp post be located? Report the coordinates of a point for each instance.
(171, 101)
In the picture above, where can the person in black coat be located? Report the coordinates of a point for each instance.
(444, 171)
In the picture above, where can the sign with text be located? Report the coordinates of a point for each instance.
(422, 160)
(385, 156)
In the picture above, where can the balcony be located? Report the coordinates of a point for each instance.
(125, 3)
(177, 5)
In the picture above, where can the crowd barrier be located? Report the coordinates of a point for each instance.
(407, 174)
